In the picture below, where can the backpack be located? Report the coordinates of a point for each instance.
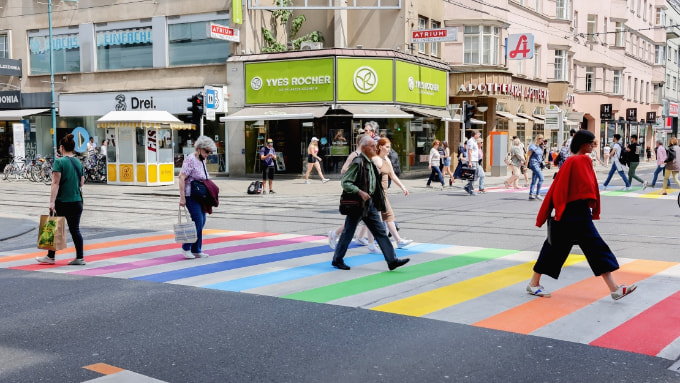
(255, 187)
(671, 155)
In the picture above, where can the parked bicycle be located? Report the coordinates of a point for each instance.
(94, 166)
(15, 170)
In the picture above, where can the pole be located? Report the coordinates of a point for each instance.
(52, 103)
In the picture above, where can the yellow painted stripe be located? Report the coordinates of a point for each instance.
(657, 193)
(103, 368)
(447, 296)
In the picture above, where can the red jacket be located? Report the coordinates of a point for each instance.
(213, 192)
(575, 181)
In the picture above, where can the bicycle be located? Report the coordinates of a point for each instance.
(15, 170)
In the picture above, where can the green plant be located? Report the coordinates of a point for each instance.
(282, 17)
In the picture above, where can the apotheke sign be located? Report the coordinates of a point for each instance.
(515, 90)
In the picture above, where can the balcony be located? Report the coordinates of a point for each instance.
(672, 32)
(619, 10)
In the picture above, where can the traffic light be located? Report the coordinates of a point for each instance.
(196, 108)
(469, 112)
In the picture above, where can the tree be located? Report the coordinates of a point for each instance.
(282, 17)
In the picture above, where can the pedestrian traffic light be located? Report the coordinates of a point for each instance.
(469, 112)
(196, 108)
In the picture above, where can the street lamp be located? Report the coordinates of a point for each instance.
(52, 103)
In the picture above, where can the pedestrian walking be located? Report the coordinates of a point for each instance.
(382, 162)
(66, 197)
(447, 161)
(575, 197)
(193, 169)
(661, 157)
(615, 154)
(672, 165)
(535, 160)
(516, 162)
(462, 159)
(649, 153)
(268, 158)
(633, 159)
(595, 154)
(361, 179)
(314, 161)
(523, 168)
(480, 167)
(473, 159)
(606, 150)
(433, 164)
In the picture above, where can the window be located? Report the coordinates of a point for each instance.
(590, 78)
(668, 81)
(562, 9)
(605, 38)
(124, 48)
(65, 51)
(635, 89)
(539, 6)
(560, 65)
(674, 83)
(434, 47)
(592, 27)
(660, 18)
(575, 21)
(4, 46)
(659, 53)
(537, 62)
(481, 45)
(616, 89)
(189, 43)
(620, 35)
(675, 56)
(644, 11)
(422, 24)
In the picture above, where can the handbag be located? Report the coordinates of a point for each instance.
(351, 204)
(550, 226)
(467, 172)
(185, 232)
(52, 232)
(199, 192)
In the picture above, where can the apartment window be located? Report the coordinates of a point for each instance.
(189, 43)
(562, 9)
(481, 45)
(592, 27)
(616, 89)
(537, 62)
(628, 89)
(539, 6)
(674, 83)
(422, 24)
(644, 11)
(660, 18)
(641, 48)
(434, 47)
(65, 51)
(620, 35)
(638, 7)
(668, 81)
(124, 48)
(635, 89)
(590, 78)
(670, 52)
(675, 56)
(604, 29)
(560, 65)
(659, 53)
(4, 46)
(575, 22)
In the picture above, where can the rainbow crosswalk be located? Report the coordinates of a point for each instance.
(476, 286)
(612, 191)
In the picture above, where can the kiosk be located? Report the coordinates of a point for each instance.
(140, 146)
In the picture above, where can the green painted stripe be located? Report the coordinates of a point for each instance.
(372, 282)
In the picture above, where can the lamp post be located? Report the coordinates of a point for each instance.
(52, 102)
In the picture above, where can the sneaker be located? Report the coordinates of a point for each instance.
(645, 185)
(264, 192)
(332, 239)
(306, 181)
(77, 262)
(403, 243)
(627, 188)
(325, 180)
(45, 260)
(361, 241)
(272, 192)
(473, 193)
(372, 248)
(482, 191)
(188, 254)
(450, 182)
(604, 187)
(622, 291)
(538, 197)
(428, 186)
(538, 291)
(200, 255)
(531, 197)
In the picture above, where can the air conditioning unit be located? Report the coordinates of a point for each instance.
(309, 45)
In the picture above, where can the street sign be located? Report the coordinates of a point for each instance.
(523, 46)
(222, 32)
(631, 114)
(605, 111)
(554, 118)
(651, 117)
(434, 35)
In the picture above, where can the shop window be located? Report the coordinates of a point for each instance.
(4, 46)
(501, 125)
(124, 48)
(65, 51)
(189, 43)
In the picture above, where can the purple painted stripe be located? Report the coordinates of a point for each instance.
(176, 258)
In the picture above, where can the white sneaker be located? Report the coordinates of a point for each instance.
(361, 241)
(622, 291)
(45, 260)
(538, 197)
(627, 188)
(306, 181)
(372, 248)
(332, 239)
(538, 291)
(403, 243)
(645, 185)
(200, 255)
(604, 187)
(188, 254)
(325, 180)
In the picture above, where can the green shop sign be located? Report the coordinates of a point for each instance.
(289, 81)
(418, 84)
(361, 79)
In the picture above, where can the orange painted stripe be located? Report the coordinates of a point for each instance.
(103, 368)
(102, 245)
(528, 317)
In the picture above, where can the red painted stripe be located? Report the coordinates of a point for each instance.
(653, 329)
(142, 250)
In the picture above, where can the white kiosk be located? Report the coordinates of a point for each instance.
(140, 146)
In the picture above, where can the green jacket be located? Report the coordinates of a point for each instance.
(364, 175)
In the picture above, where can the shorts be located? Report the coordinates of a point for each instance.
(311, 159)
(268, 173)
(447, 161)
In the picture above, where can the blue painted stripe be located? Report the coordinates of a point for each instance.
(168, 276)
(280, 276)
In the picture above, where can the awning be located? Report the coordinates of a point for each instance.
(511, 117)
(277, 113)
(441, 114)
(140, 118)
(528, 117)
(539, 116)
(361, 111)
(18, 114)
(475, 121)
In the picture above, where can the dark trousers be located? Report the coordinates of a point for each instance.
(377, 228)
(575, 228)
(436, 175)
(72, 211)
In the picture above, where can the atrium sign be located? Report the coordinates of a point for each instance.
(434, 35)
(221, 32)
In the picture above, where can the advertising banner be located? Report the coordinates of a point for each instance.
(289, 81)
(361, 79)
(9, 67)
(416, 84)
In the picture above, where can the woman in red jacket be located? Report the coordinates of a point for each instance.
(575, 197)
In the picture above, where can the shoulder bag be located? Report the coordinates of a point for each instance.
(351, 204)
(199, 192)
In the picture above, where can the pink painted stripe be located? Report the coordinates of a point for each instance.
(176, 258)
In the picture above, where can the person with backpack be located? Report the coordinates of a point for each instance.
(661, 157)
(633, 159)
(672, 165)
(268, 157)
(615, 156)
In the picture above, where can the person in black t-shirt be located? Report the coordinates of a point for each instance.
(633, 158)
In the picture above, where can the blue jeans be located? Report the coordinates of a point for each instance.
(662, 170)
(72, 211)
(436, 172)
(198, 216)
(377, 228)
(480, 175)
(621, 173)
(536, 178)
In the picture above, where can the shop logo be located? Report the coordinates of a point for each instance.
(411, 83)
(256, 83)
(365, 79)
(121, 105)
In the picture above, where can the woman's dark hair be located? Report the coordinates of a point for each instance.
(68, 143)
(580, 138)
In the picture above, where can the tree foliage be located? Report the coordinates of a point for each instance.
(282, 17)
